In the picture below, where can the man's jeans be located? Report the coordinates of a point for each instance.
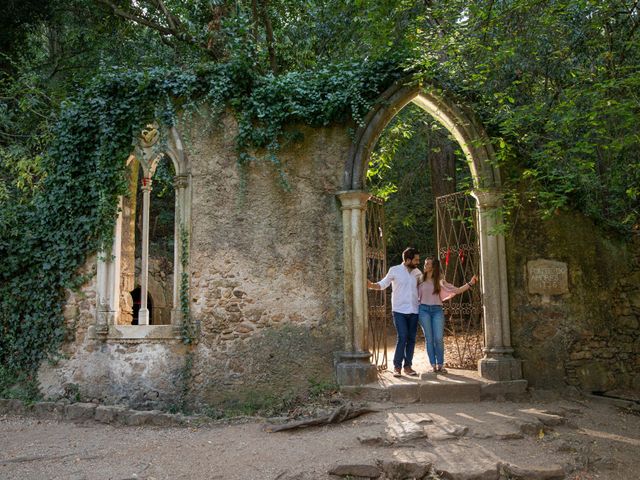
(431, 318)
(406, 329)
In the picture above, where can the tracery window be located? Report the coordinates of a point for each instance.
(139, 278)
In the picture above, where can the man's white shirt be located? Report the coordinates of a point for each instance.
(404, 286)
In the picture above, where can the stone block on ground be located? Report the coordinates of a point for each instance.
(48, 410)
(137, 418)
(109, 414)
(548, 472)
(359, 471)
(404, 432)
(531, 426)
(440, 432)
(449, 392)
(509, 390)
(371, 393)
(13, 406)
(79, 411)
(472, 473)
(373, 439)
(395, 470)
(404, 393)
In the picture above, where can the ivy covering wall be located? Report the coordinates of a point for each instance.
(71, 215)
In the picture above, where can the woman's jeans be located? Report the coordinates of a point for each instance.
(406, 329)
(431, 318)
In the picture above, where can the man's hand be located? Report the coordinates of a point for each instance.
(372, 286)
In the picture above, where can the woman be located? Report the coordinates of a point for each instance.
(432, 291)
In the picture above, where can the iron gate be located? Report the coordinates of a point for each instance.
(459, 253)
(376, 270)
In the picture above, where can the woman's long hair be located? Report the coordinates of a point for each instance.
(435, 274)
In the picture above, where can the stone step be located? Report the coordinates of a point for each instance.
(455, 387)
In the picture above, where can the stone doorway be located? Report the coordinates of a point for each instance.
(414, 172)
(498, 362)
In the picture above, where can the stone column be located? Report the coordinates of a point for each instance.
(108, 281)
(143, 314)
(182, 221)
(354, 365)
(498, 362)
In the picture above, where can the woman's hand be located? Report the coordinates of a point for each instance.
(473, 280)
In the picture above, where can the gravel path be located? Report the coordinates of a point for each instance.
(589, 440)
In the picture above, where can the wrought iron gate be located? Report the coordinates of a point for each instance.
(459, 253)
(376, 269)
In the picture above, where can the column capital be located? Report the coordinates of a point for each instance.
(353, 199)
(146, 184)
(487, 199)
(180, 181)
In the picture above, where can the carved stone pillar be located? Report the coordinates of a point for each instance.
(182, 224)
(143, 314)
(498, 362)
(354, 366)
(108, 285)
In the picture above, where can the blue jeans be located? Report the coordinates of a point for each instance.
(431, 318)
(406, 329)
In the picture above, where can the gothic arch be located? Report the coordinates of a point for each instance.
(150, 148)
(498, 363)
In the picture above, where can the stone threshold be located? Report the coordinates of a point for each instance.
(429, 387)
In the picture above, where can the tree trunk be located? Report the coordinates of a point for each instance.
(442, 161)
(270, 40)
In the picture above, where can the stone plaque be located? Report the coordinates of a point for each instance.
(547, 277)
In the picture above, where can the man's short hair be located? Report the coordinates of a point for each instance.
(409, 253)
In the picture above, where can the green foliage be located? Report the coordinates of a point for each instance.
(556, 84)
(399, 172)
(19, 385)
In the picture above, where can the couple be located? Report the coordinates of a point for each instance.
(417, 298)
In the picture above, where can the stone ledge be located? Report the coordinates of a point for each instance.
(83, 412)
(137, 334)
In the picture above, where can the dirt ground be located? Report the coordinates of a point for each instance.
(589, 439)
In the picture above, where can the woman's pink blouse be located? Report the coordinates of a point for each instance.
(427, 297)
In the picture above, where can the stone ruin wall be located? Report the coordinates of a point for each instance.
(266, 291)
(582, 331)
(266, 267)
(266, 287)
(137, 374)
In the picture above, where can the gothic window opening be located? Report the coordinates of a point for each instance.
(137, 279)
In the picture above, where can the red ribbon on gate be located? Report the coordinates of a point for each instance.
(461, 255)
(446, 259)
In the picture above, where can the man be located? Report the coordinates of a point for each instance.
(403, 279)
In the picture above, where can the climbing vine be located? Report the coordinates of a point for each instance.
(188, 329)
(46, 239)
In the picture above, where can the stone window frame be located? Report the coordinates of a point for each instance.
(149, 150)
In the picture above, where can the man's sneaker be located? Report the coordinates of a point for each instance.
(397, 372)
(410, 371)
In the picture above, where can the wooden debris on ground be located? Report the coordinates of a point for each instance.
(341, 414)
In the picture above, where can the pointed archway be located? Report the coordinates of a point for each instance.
(498, 362)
